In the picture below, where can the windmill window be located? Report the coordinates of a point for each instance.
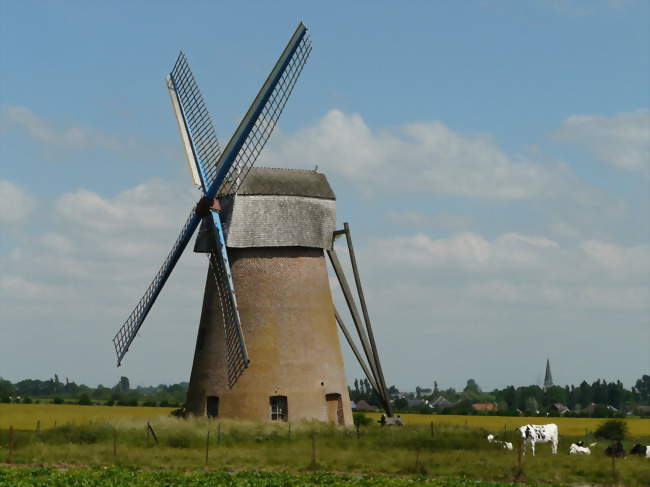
(279, 408)
(212, 406)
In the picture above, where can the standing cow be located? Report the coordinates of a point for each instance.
(536, 433)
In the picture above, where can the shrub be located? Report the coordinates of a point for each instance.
(84, 400)
(360, 419)
(27, 400)
(110, 402)
(149, 403)
(612, 430)
(57, 400)
(5, 399)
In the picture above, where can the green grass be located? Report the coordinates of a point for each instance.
(453, 451)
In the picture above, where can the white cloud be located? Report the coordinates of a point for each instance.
(424, 156)
(16, 203)
(518, 268)
(622, 141)
(74, 136)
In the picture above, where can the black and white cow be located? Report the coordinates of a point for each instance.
(539, 433)
(642, 450)
(615, 450)
(580, 448)
(503, 444)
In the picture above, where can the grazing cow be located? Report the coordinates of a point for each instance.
(615, 450)
(641, 450)
(504, 444)
(388, 421)
(580, 448)
(536, 433)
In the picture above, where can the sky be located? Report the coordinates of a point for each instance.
(492, 159)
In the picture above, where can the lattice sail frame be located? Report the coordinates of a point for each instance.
(220, 173)
(267, 120)
(205, 144)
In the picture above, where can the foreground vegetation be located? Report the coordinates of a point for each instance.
(119, 476)
(446, 451)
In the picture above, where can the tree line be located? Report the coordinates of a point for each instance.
(600, 398)
(122, 394)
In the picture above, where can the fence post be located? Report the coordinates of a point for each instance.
(153, 433)
(357, 428)
(218, 433)
(114, 442)
(289, 434)
(207, 447)
(431, 429)
(146, 433)
(11, 444)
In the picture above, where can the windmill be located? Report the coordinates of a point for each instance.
(278, 224)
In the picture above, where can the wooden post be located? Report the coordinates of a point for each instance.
(55, 423)
(519, 459)
(153, 433)
(114, 442)
(289, 433)
(218, 433)
(357, 428)
(146, 434)
(431, 429)
(38, 425)
(11, 444)
(207, 447)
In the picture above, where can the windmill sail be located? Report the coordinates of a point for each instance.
(129, 329)
(220, 173)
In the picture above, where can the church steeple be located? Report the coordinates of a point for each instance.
(548, 378)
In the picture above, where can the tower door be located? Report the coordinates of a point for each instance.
(212, 406)
(334, 408)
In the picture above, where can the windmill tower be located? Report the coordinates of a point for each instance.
(265, 234)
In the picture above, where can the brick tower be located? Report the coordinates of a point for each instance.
(277, 227)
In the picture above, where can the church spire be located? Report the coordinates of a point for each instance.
(548, 378)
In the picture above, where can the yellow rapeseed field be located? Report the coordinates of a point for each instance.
(567, 426)
(25, 416)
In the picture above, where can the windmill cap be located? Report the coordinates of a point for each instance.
(286, 182)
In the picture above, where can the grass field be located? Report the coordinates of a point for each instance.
(452, 450)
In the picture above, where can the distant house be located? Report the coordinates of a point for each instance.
(441, 402)
(364, 406)
(560, 408)
(485, 406)
(416, 403)
(592, 407)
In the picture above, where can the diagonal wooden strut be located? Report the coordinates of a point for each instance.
(369, 348)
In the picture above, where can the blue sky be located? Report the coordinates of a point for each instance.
(492, 158)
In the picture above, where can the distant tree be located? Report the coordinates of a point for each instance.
(123, 385)
(356, 385)
(57, 400)
(472, 386)
(642, 387)
(435, 388)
